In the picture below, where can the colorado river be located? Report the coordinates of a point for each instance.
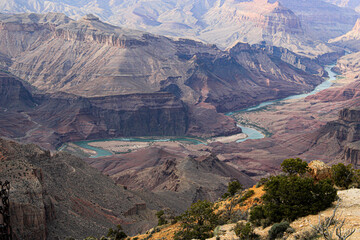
(251, 133)
(100, 152)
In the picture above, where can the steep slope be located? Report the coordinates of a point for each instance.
(60, 196)
(350, 40)
(13, 95)
(214, 21)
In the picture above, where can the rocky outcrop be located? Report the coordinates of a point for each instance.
(59, 196)
(351, 154)
(319, 170)
(350, 115)
(65, 117)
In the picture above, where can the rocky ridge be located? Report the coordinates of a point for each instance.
(350, 40)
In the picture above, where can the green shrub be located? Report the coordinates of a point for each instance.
(278, 229)
(245, 231)
(116, 234)
(198, 221)
(161, 218)
(225, 195)
(257, 213)
(233, 187)
(356, 179)
(294, 166)
(342, 175)
(288, 197)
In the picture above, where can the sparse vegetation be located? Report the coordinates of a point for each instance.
(293, 166)
(326, 227)
(278, 229)
(291, 196)
(247, 194)
(161, 218)
(343, 175)
(116, 234)
(245, 231)
(198, 221)
(233, 187)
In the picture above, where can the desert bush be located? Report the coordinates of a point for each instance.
(245, 231)
(342, 175)
(278, 229)
(294, 166)
(238, 215)
(233, 187)
(356, 179)
(261, 182)
(198, 221)
(257, 214)
(288, 197)
(306, 235)
(161, 218)
(116, 234)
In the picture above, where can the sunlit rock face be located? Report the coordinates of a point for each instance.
(286, 23)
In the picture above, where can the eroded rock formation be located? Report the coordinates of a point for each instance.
(177, 87)
(61, 196)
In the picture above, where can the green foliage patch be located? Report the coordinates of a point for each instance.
(345, 176)
(290, 196)
(198, 221)
(278, 229)
(245, 231)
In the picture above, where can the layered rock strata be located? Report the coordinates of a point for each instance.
(177, 87)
